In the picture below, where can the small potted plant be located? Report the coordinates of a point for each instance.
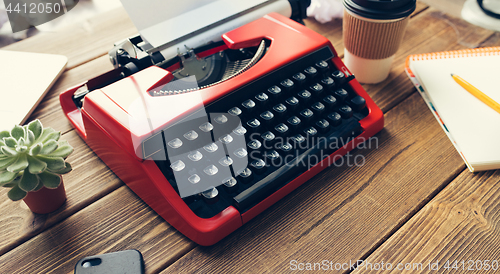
(32, 160)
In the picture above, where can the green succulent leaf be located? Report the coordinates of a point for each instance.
(62, 151)
(35, 149)
(5, 162)
(49, 147)
(50, 180)
(53, 163)
(10, 142)
(7, 177)
(8, 151)
(11, 184)
(19, 165)
(46, 135)
(16, 193)
(30, 138)
(2, 143)
(21, 142)
(36, 127)
(28, 182)
(39, 186)
(4, 134)
(17, 132)
(36, 166)
(65, 170)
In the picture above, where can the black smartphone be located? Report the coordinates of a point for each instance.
(127, 261)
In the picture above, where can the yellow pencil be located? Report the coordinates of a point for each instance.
(477, 93)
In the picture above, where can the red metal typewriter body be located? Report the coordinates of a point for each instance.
(116, 119)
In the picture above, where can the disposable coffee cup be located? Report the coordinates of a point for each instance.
(373, 31)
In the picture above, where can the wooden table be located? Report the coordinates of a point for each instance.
(413, 201)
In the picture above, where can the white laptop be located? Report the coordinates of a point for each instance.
(25, 78)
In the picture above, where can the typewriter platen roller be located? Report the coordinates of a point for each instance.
(193, 136)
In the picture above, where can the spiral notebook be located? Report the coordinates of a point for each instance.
(472, 126)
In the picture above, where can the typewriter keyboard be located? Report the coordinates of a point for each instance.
(246, 145)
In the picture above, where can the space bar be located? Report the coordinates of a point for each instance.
(259, 190)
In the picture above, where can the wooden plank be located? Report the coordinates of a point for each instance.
(116, 222)
(82, 42)
(343, 206)
(459, 224)
(89, 181)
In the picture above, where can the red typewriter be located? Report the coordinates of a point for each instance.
(213, 136)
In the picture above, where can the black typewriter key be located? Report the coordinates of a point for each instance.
(229, 182)
(210, 196)
(285, 148)
(280, 110)
(226, 161)
(211, 148)
(310, 132)
(244, 175)
(304, 95)
(341, 94)
(258, 166)
(299, 78)
(272, 155)
(323, 126)
(318, 108)
(339, 77)
(316, 89)
(226, 139)
(262, 98)
(206, 127)
(287, 85)
(175, 143)
(275, 91)
(240, 131)
(267, 117)
(322, 66)
(330, 101)
(236, 112)
(345, 111)
(249, 105)
(334, 118)
(298, 141)
(328, 83)
(268, 138)
(282, 130)
(178, 166)
(292, 103)
(311, 73)
(306, 115)
(195, 156)
(253, 124)
(220, 119)
(254, 144)
(294, 123)
(358, 103)
(241, 153)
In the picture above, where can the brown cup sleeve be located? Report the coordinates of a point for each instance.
(372, 40)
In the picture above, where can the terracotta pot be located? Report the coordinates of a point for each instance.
(46, 200)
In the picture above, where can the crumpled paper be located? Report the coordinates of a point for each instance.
(325, 10)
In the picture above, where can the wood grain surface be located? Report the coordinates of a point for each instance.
(410, 200)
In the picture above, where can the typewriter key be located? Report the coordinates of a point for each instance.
(316, 89)
(345, 112)
(328, 83)
(240, 131)
(210, 196)
(211, 147)
(299, 78)
(195, 156)
(322, 66)
(226, 161)
(338, 77)
(175, 143)
(191, 135)
(323, 126)
(206, 127)
(229, 182)
(341, 94)
(358, 103)
(311, 73)
(280, 110)
(281, 130)
(194, 179)
(304, 95)
(287, 85)
(306, 115)
(330, 101)
(318, 108)
(226, 139)
(292, 103)
(275, 91)
(245, 175)
(334, 118)
(178, 165)
(258, 166)
(241, 153)
(211, 170)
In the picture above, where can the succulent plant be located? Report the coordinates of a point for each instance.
(32, 157)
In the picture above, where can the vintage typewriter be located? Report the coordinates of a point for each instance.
(212, 135)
